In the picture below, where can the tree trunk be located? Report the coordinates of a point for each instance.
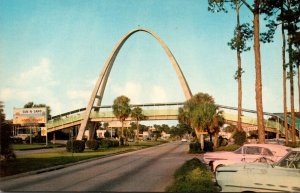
(138, 131)
(122, 133)
(200, 139)
(292, 90)
(216, 140)
(239, 72)
(284, 83)
(298, 75)
(258, 80)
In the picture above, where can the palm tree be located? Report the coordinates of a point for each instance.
(217, 123)
(137, 115)
(200, 112)
(203, 119)
(121, 110)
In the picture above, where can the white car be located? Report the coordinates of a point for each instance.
(247, 153)
(184, 140)
(283, 176)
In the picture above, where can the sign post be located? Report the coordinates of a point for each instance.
(44, 133)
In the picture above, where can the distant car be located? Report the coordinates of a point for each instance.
(283, 176)
(247, 153)
(184, 140)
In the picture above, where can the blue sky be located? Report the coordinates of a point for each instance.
(52, 52)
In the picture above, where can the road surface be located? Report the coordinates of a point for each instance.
(147, 170)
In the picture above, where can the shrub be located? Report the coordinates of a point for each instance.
(77, 146)
(239, 137)
(27, 139)
(106, 143)
(192, 176)
(38, 139)
(115, 143)
(92, 144)
(223, 141)
(208, 146)
(228, 147)
(16, 140)
(107, 134)
(195, 147)
(122, 141)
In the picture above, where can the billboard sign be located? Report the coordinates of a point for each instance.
(43, 131)
(25, 116)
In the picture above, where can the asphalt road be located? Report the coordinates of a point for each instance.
(147, 170)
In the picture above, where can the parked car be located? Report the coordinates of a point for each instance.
(184, 140)
(247, 153)
(283, 176)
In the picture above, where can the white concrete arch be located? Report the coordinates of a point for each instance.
(103, 77)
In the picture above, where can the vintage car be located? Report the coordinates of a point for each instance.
(247, 153)
(284, 175)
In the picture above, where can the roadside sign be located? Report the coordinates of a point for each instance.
(43, 131)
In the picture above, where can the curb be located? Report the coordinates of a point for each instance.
(67, 165)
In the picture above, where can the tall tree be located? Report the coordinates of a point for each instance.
(242, 33)
(292, 20)
(137, 115)
(289, 19)
(255, 10)
(121, 110)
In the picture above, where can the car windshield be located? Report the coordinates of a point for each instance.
(291, 160)
(239, 150)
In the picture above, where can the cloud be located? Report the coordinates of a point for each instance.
(35, 84)
(6, 93)
(131, 89)
(158, 94)
(79, 94)
(38, 74)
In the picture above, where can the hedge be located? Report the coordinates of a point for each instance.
(106, 143)
(77, 146)
(92, 144)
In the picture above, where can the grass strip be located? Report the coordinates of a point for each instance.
(31, 162)
(192, 176)
(33, 146)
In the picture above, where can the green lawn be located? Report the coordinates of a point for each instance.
(37, 161)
